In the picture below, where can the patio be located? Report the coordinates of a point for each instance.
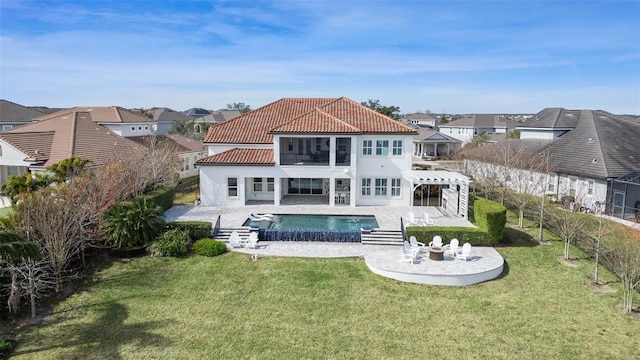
(485, 262)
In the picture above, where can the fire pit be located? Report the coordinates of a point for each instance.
(436, 253)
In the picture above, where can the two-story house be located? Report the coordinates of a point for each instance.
(468, 127)
(333, 149)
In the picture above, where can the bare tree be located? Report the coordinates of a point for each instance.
(624, 256)
(567, 224)
(32, 279)
(50, 218)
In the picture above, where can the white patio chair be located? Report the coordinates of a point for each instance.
(436, 242)
(234, 240)
(426, 220)
(452, 248)
(415, 244)
(411, 219)
(253, 240)
(465, 253)
(408, 255)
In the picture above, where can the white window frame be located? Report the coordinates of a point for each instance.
(366, 186)
(397, 147)
(232, 187)
(381, 185)
(551, 183)
(382, 147)
(270, 185)
(367, 147)
(573, 185)
(257, 184)
(590, 186)
(396, 187)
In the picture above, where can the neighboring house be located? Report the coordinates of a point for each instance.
(431, 143)
(333, 149)
(468, 127)
(12, 115)
(593, 156)
(421, 119)
(165, 118)
(196, 112)
(34, 147)
(117, 119)
(188, 150)
(218, 116)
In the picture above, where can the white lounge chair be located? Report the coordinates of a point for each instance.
(253, 240)
(436, 242)
(452, 248)
(465, 253)
(234, 240)
(426, 220)
(408, 255)
(261, 217)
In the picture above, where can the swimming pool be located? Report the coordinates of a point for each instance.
(319, 222)
(327, 228)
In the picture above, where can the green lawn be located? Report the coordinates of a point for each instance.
(283, 308)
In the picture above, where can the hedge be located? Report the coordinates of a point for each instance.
(162, 197)
(196, 229)
(474, 236)
(491, 217)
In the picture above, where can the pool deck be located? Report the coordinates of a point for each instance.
(388, 218)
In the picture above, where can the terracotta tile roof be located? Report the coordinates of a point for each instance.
(240, 157)
(316, 121)
(99, 114)
(60, 138)
(255, 127)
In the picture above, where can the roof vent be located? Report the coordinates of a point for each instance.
(591, 140)
(37, 152)
(594, 161)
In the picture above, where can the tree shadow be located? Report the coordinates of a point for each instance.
(505, 270)
(516, 238)
(101, 339)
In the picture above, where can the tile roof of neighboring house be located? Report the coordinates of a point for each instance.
(601, 146)
(255, 126)
(219, 116)
(163, 114)
(240, 157)
(60, 138)
(181, 144)
(12, 113)
(99, 114)
(482, 121)
(553, 118)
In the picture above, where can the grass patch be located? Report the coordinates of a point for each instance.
(274, 308)
(5, 211)
(187, 191)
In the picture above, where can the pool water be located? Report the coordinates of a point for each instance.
(320, 222)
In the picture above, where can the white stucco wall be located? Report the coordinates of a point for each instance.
(131, 129)
(11, 157)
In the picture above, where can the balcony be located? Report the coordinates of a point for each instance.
(314, 151)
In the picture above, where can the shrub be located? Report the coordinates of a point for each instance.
(474, 236)
(209, 247)
(491, 217)
(196, 229)
(5, 349)
(131, 224)
(171, 243)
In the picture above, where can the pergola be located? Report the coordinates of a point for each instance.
(453, 179)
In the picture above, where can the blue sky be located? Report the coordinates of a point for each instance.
(442, 56)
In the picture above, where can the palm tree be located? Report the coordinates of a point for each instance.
(134, 224)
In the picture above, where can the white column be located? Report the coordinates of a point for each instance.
(277, 186)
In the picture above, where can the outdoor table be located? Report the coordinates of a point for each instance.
(436, 253)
